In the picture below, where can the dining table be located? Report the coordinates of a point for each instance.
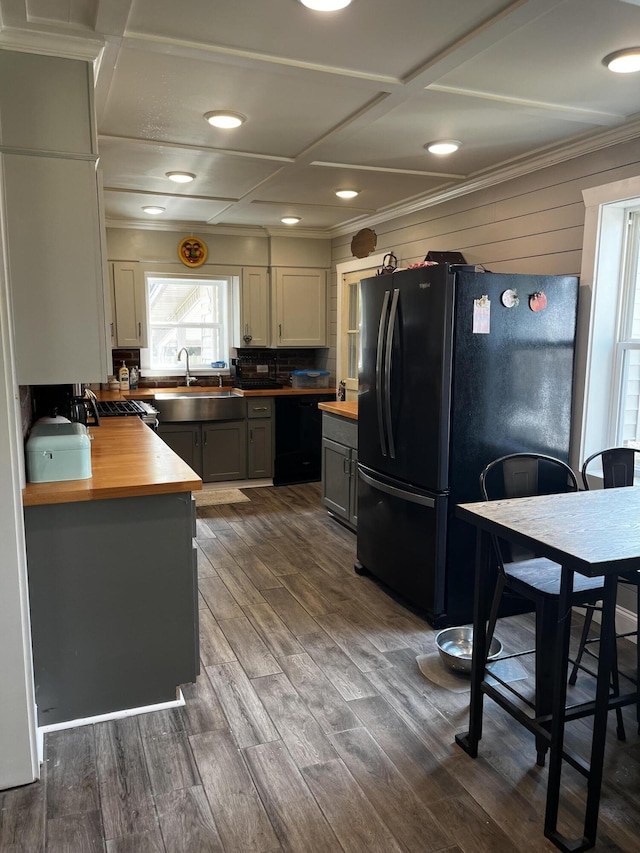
(597, 534)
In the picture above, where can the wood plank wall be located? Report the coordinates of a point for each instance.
(531, 224)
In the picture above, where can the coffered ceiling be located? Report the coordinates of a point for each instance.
(341, 100)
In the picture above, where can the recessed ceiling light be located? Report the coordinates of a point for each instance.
(290, 220)
(443, 146)
(225, 118)
(325, 5)
(151, 208)
(346, 193)
(623, 61)
(181, 177)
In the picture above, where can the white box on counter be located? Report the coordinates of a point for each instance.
(56, 452)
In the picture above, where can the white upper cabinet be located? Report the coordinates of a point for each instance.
(300, 308)
(55, 269)
(128, 305)
(251, 308)
(46, 103)
(54, 252)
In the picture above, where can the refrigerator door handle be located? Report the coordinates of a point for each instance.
(411, 497)
(387, 371)
(379, 377)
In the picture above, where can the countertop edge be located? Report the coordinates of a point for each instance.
(149, 393)
(341, 408)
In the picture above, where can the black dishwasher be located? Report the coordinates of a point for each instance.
(299, 439)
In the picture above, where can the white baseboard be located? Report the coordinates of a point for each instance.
(114, 715)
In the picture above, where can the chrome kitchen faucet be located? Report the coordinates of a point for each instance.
(188, 378)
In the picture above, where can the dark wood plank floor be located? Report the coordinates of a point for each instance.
(310, 729)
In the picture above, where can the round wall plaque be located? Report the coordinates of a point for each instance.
(364, 243)
(192, 251)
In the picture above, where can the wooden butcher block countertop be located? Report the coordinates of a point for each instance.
(128, 459)
(150, 393)
(345, 410)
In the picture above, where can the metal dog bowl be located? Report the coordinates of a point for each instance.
(455, 646)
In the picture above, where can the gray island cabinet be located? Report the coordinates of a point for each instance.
(340, 465)
(113, 584)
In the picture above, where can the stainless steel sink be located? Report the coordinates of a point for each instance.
(167, 395)
(199, 406)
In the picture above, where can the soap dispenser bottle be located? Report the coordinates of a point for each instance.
(123, 376)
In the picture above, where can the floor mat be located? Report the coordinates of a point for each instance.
(210, 497)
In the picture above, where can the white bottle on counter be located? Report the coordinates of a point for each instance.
(123, 376)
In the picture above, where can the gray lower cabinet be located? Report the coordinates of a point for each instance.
(260, 447)
(340, 468)
(224, 451)
(215, 450)
(227, 450)
(186, 441)
(113, 599)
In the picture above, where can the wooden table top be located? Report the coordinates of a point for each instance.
(128, 459)
(594, 533)
(341, 408)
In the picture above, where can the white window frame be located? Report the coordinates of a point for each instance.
(625, 341)
(203, 275)
(603, 253)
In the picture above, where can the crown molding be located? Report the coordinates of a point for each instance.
(294, 231)
(188, 227)
(229, 230)
(578, 148)
(50, 44)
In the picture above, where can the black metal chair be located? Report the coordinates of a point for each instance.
(618, 470)
(535, 579)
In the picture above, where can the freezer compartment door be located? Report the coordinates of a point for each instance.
(401, 539)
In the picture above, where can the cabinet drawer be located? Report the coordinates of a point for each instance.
(340, 429)
(260, 407)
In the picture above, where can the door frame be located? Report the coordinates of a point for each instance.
(353, 265)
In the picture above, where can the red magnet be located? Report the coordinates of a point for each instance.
(537, 301)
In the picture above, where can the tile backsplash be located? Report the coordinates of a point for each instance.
(286, 361)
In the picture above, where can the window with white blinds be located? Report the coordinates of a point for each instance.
(626, 429)
(190, 312)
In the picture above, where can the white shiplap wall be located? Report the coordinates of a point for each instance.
(531, 224)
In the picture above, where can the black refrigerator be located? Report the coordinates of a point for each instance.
(456, 369)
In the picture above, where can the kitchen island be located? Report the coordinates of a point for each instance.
(112, 578)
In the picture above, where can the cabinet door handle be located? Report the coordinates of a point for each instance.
(251, 436)
(346, 466)
(196, 440)
(280, 330)
(260, 408)
(205, 439)
(139, 330)
(111, 329)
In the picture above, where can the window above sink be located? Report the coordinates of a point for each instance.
(187, 311)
